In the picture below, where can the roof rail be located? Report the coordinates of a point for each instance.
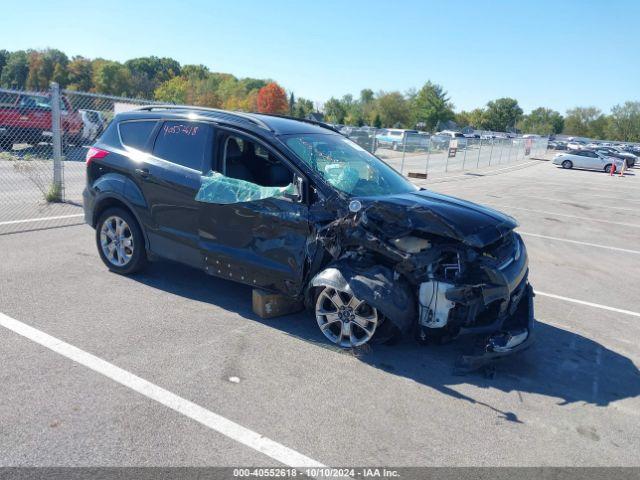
(241, 115)
(305, 120)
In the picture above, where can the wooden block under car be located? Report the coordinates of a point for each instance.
(269, 305)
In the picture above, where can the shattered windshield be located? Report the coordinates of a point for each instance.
(347, 166)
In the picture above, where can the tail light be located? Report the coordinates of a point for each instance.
(95, 153)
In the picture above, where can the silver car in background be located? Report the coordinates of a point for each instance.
(587, 159)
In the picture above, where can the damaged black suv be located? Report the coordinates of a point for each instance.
(293, 207)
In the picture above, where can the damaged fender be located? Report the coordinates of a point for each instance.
(376, 285)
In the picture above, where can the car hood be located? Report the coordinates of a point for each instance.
(434, 213)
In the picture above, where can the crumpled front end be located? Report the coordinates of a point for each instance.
(462, 280)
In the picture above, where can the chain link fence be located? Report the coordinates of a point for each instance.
(420, 155)
(44, 137)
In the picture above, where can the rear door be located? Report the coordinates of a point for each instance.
(170, 179)
(261, 242)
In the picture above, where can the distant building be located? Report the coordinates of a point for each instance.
(315, 116)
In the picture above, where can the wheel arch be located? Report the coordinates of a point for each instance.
(111, 199)
(374, 284)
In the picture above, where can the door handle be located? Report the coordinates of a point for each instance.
(143, 172)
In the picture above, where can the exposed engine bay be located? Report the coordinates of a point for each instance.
(434, 266)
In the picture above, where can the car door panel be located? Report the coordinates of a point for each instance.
(261, 243)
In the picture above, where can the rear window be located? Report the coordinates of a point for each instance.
(136, 134)
(183, 143)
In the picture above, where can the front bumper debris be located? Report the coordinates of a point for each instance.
(516, 334)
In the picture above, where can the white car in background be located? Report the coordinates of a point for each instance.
(91, 125)
(587, 159)
(576, 145)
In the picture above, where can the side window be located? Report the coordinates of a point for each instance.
(135, 134)
(246, 160)
(183, 143)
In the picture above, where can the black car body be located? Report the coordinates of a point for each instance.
(295, 208)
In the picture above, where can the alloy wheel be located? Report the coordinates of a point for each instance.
(344, 319)
(116, 241)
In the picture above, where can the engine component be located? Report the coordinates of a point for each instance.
(434, 305)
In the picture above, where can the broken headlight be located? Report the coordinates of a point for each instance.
(411, 244)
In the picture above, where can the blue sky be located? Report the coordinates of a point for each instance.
(558, 53)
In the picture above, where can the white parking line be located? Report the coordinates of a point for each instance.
(543, 212)
(588, 304)
(187, 408)
(41, 219)
(608, 247)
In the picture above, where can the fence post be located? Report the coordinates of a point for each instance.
(491, 151)
(479, 152)
(404, 147)
(56, 130)
(446, 165)
(464, 158)
(426, 170)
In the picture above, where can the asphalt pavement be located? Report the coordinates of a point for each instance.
(571, 400)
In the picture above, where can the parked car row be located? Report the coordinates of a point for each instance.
(580, 153)
(588, 159)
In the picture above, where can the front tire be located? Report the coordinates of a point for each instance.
(344, 319)
(607, 168)
(120, 241)
(567, 164)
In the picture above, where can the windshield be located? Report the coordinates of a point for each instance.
(347, 166)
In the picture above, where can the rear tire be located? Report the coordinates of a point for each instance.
(120, 241)
(567, 164)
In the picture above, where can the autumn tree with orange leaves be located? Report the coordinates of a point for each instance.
(272, 99)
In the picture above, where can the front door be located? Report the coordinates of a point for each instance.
(254, 226)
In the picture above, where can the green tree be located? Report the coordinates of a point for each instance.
(501, 114)
(585, 122)
(393, 109)
(366, 96)
(624, 122)
(335, 110)
(542, 121)
(80, 74)
(431, 105)
(377, 121)
(173, 91)
(199, 72)
(292, 104)
(46, 66)
(303, 107)
(146, 73)
(16, 70)
(111, 78)
(4, 56)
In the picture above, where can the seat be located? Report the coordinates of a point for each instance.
(235, 167)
